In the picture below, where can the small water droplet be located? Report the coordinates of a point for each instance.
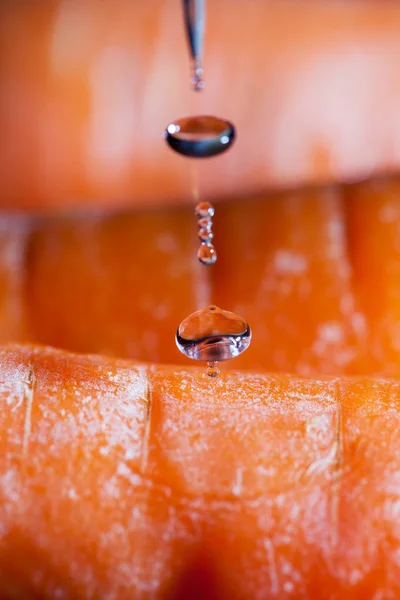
(212, 369)
(194, 20)
(197, 80)
(205, 235)
(207, 254)
(204, 223)
(213, 335)
(204, 209)
(200, 136)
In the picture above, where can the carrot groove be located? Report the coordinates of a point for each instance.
(290, 480)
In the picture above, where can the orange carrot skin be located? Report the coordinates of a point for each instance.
(126, 480)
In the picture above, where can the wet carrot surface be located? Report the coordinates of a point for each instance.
(124, 480)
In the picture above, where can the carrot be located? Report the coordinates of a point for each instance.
(121, 479)
(126, 480)
(297, 266)
(88, 88)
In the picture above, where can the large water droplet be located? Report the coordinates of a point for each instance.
(201, 136)
(213, 335)
(207, 254)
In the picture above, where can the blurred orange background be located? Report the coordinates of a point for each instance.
(314, 90)
(87, 89)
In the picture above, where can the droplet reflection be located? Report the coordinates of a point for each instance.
(200, 136)
(207, 254)
(213, 335)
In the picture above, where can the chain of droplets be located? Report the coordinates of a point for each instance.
(206, 253)
(218, 141)
(197, 79)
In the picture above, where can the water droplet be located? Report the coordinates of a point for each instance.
(204, 210)
(205, 235)
(212, 369)
(204, 223)
(194, 19)
(213, 335)
(207, 254)
(197, 80)
(201, 136)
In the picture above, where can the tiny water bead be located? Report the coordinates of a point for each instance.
(213, 335)
(204, 210)
(204, 223)
(205, 235)
(197, 79)
(212, 369)
(194, 18)
(200, 136)
(207, 254)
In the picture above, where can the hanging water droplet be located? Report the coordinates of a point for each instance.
(207, 254)
(205, 235)
(204, 210)
(212, 369)
(204, 223)
(200, 136)
(194, 17)
(197, 80)
(213, 335)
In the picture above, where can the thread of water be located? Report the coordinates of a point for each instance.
(201, 281)
(212, 369)
(211, 334)
(206, 254)
(194, 21)
(204, 214)
(194, 175)
(197, 79)
(204, 211)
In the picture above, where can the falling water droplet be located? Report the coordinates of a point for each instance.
(213, 335)
(200, 136)
(207, 254)
(204, 210)
(205, 235)
(212, 369)
(194, 19)
(197, 80)
(204, 223)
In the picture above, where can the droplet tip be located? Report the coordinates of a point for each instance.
(197, 79)
(198, 85)
(212, 369)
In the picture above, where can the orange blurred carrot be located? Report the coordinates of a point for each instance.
(315, 272)
(88, 88)
(124, 480)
